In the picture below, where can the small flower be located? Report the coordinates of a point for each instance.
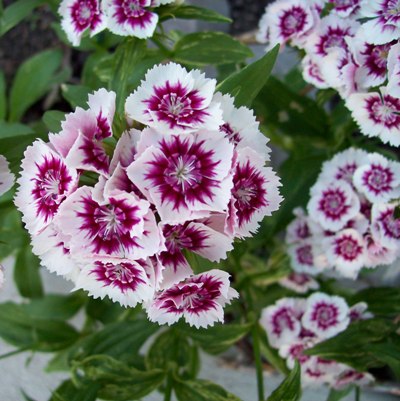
(79, 16)
(383, 23)
(377, 114)
(255, 193)
(306, 257)
(346, 252)
(124, 281)
(312, 72)
(299, 229)
(123, 227)
(345, 8)
(195, 237)
(393, 66)
(384, 227)
(198, 299)
(282, 321)
(130, 17)
(174, 100)
(299, 282)
(325, 315)
(240, 126)
(352, 377)
(359, 312)
(379, 180)
(6, 177)
(294, 352)
(333, 204)
(184, 176)
(46, 181)
(286, 20)
(377, 254)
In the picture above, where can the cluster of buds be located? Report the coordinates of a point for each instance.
(351, 222)
(121, 17)
(294, 325)
(191, 180)
(351, 46)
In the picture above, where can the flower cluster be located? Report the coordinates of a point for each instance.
(350, 222)
(294, 325)
(353, 48)
(192, 180)
(122, 17)
(6, 177)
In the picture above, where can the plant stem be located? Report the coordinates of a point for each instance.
(357, 393)
(168, 387)
(15, 352)
(257, 360)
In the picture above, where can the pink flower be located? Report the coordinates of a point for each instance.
(123, 227)
(346, 252)
(130, 17)
(294, 351)
(312, 72)
(287, 20)
(255, 193)
(194, 237)
(198, 299)
(299, 282)
(352, 377)
(383, 23)
(377, 254)
(282, 321)
(379, 180)
(46, 181)
(307, 257)
(6, 177)
(186, 177)
(80, 141)
(122, 280)
(359, 312)
(393, 65)
(333, 204)
(345, 8)
(79, 16)
(377, 114)
(325, 315)
(299, 229)
(174, 100)
(384, 227)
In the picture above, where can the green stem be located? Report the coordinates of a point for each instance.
(357, 394)
(258, 362)
(15, 352)
(168, 387)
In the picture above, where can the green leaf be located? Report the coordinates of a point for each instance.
(3, 97)
(55, 306)
(34, 78)
(16, 12)
(337, 395)
(361, 345)
(13, 130)
(202, 390)
(172, 346)
(104, 310)
(218, 338)
(119, 382)
(290, 388)
(20, 329)
(68, 392)
(76, 95)
(12, 235)
(203, 48)
(53, 119)
(190, 12)
(27, 273)
(381, 301)
(127, 55)
(245, 84)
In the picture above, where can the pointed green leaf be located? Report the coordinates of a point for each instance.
(202, 390)
(190, 12)
(203, 48)
(290, 388)
(337, 395)
(67, 391)
(13, 130)
(53, 119)
(76, 95)
(34, 78)
(245, 84)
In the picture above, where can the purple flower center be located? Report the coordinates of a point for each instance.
(333, 37)
(325, 315)
(52, 183)
(248, 191)
(346, 172)
(296, 352)
(378, 179)
(302, 230)
(184, 172)
(85, 14)
(293, 21)
(281, 320)
(124, 276)
(333, 204)
(132, 12)
(108, 226)
(304, 255)
(299, 278)
(385, 111)
(176, 105)
(348, 248)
